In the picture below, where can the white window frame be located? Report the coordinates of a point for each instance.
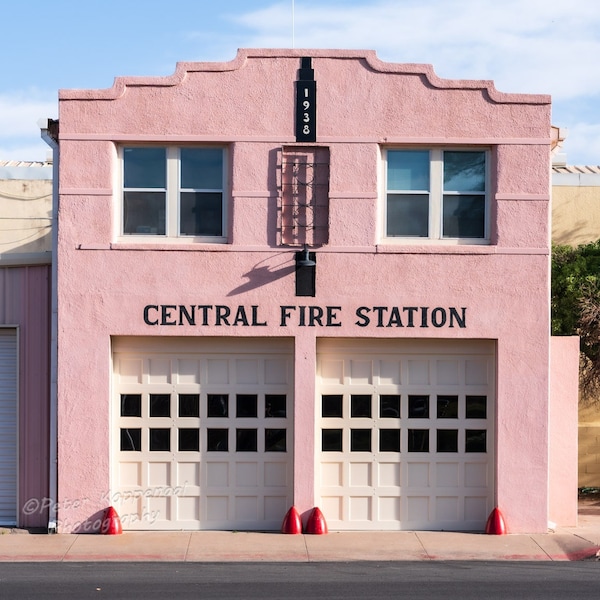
(436, 194)
(172, 195)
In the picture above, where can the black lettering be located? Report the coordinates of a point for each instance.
(424, 311)
(302, 322)
(315, 315)
(332, 316)
(190, 318)
(411, 311)
(460, 319)
(379, 310)
(363, 318)
(285, 314)
(222, 315)
(441, 321)
(240, 317)
(255, 322)
(166, 314)
(205, 308)
(395, 320)
(147, 314)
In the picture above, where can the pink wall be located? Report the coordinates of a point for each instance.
(564, 402)
(25, 302)
(364, 104)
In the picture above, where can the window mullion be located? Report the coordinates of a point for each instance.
(173, 192)
(436, 195)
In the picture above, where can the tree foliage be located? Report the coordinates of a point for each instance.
(575, 305)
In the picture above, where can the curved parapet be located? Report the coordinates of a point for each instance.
(369, 57)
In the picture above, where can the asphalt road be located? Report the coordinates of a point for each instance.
(290, 581)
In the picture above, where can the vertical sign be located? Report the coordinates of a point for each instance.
(306, 103)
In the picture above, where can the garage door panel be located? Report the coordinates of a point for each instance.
(412, 432)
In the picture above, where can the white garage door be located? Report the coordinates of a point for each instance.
(202, 435)
(8, 427)
(406, 433)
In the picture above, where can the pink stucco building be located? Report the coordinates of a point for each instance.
(310, 278)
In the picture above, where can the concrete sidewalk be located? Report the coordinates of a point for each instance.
(564, 544)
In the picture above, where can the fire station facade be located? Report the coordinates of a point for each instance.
(308, 278)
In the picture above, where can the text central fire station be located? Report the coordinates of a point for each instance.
(307, 278)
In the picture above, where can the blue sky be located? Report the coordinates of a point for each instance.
(529, 46)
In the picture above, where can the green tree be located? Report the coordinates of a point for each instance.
(575, 306)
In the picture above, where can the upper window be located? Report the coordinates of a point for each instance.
(437, 194)
(173, 192)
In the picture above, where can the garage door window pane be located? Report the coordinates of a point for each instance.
(245, 440)
(389, 440)
(131, 405)
(331, 405)
(389, 406)
(217, 440)
(447, 440)
(360, 405)
(189, 405)
(131, 440)
(331, 440)
(418, 440)
(418, 407)
(189, 440)
(217, 405)
(160, 440)
(476, 407)
(360, 440)
(160, 405)
(475, 440)
(447, 407)
(275, 406)
(246, 405)
(275, 440)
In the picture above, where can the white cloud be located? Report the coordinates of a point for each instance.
(523, 45)
(583, 141)
(20, 112)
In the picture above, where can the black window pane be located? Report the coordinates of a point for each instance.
(160, 440)
(201, 213)
(217, 405)
(447, 407)
(331, 440)
(464, 216)
(217, 440)
(144, 213)
(389, 406)
(389, 440)
(476, 407)
(131, 440)
(131, 405)
(246, 440)
(418, 440)
(407, 215)
(475, 440)
(331, 405)
(275, 406)
(246, 405)
(275, 440)
(447, 440)
(145, 167)
(360, 440)
(360, 405)
(418, 407)
(189, 405)
(189, 440)
(160, 405)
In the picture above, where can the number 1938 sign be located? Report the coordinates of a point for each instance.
(306, 103)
